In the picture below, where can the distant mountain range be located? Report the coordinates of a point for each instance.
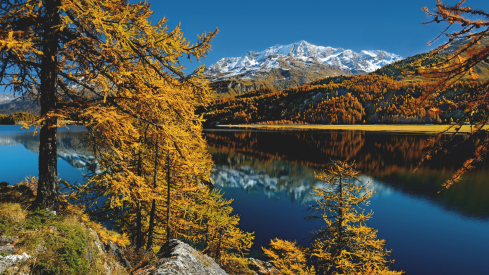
(10, 104)
(6, 98)
(284, 66)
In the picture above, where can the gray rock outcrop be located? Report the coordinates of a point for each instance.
(178, 258)
(11, 260)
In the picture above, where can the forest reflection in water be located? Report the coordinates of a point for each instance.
(282, 165)
(270, 174)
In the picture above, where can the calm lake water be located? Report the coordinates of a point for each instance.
(270, 176)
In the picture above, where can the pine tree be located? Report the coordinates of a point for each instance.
(345, 245)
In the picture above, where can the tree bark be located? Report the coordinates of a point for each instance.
(340, 227)
(168, 235)
(153, 206)
(139, 234)
(47, 193)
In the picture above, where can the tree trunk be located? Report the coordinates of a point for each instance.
(139, 234)
(47, 193)
(168, 198)
(153, 206)
(340, 227)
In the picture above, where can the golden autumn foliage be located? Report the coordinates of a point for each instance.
(345, 245)
(337, 100)
(288, 257)
(16, 118)
(91, 63)
(465, 63)
(116, 73)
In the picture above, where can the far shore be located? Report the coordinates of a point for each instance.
(409, 128)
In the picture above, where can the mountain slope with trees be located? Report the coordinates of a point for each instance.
(388, 95)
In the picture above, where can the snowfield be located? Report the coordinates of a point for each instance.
(347, 60)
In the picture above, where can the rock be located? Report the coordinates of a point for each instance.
(50, 212)
(178, 258)
(9, 249)
(263, 268)
(40, 249)
(98, 243)
(4, 240)
(115, 250)
(11, 260)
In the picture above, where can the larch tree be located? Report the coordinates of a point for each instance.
(98, 64)
(288, 257)
(469, 28)
(345, 245)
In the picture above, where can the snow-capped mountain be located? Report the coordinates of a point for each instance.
(6, 98)
(280, 67)
(301, 54)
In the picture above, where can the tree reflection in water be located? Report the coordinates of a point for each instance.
(282, 165)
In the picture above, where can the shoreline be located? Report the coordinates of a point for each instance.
(406, 128)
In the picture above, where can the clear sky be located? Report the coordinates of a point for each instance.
(390, 25)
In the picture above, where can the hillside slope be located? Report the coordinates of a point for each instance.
(386, 95)
(336, 100)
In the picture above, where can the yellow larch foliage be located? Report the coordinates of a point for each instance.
(345, 245)
(111, 66)
(289, 258)
(463, 62)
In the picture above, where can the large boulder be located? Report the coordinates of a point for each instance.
(178, 258)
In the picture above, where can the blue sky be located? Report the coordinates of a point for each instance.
(390, 25)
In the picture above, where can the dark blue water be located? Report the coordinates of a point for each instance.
(270, 175)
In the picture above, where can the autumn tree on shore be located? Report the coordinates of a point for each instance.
(88, 62)
(468, 61)
(344, 245)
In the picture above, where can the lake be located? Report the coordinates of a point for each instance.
(270, 175)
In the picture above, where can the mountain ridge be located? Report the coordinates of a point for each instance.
(284, 66)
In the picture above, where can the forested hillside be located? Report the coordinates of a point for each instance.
(337, 100)
(388, 95)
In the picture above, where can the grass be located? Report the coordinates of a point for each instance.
(406, 128)
(57, 244)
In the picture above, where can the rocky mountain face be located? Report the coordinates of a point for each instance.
(6, 98)
(10, 104)
(283, 66)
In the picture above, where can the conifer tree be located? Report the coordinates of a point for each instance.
(94, 63)
(345, 245)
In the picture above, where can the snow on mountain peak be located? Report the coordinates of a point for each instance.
(365, 61)
(5, 98)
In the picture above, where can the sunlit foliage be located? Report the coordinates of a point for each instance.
(345, 245)
(97, 63)
(467, 62)
(338, 100)
(289, 258)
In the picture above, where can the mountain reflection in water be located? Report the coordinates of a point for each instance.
(17, 163)
(281, 165)
(270, 175)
